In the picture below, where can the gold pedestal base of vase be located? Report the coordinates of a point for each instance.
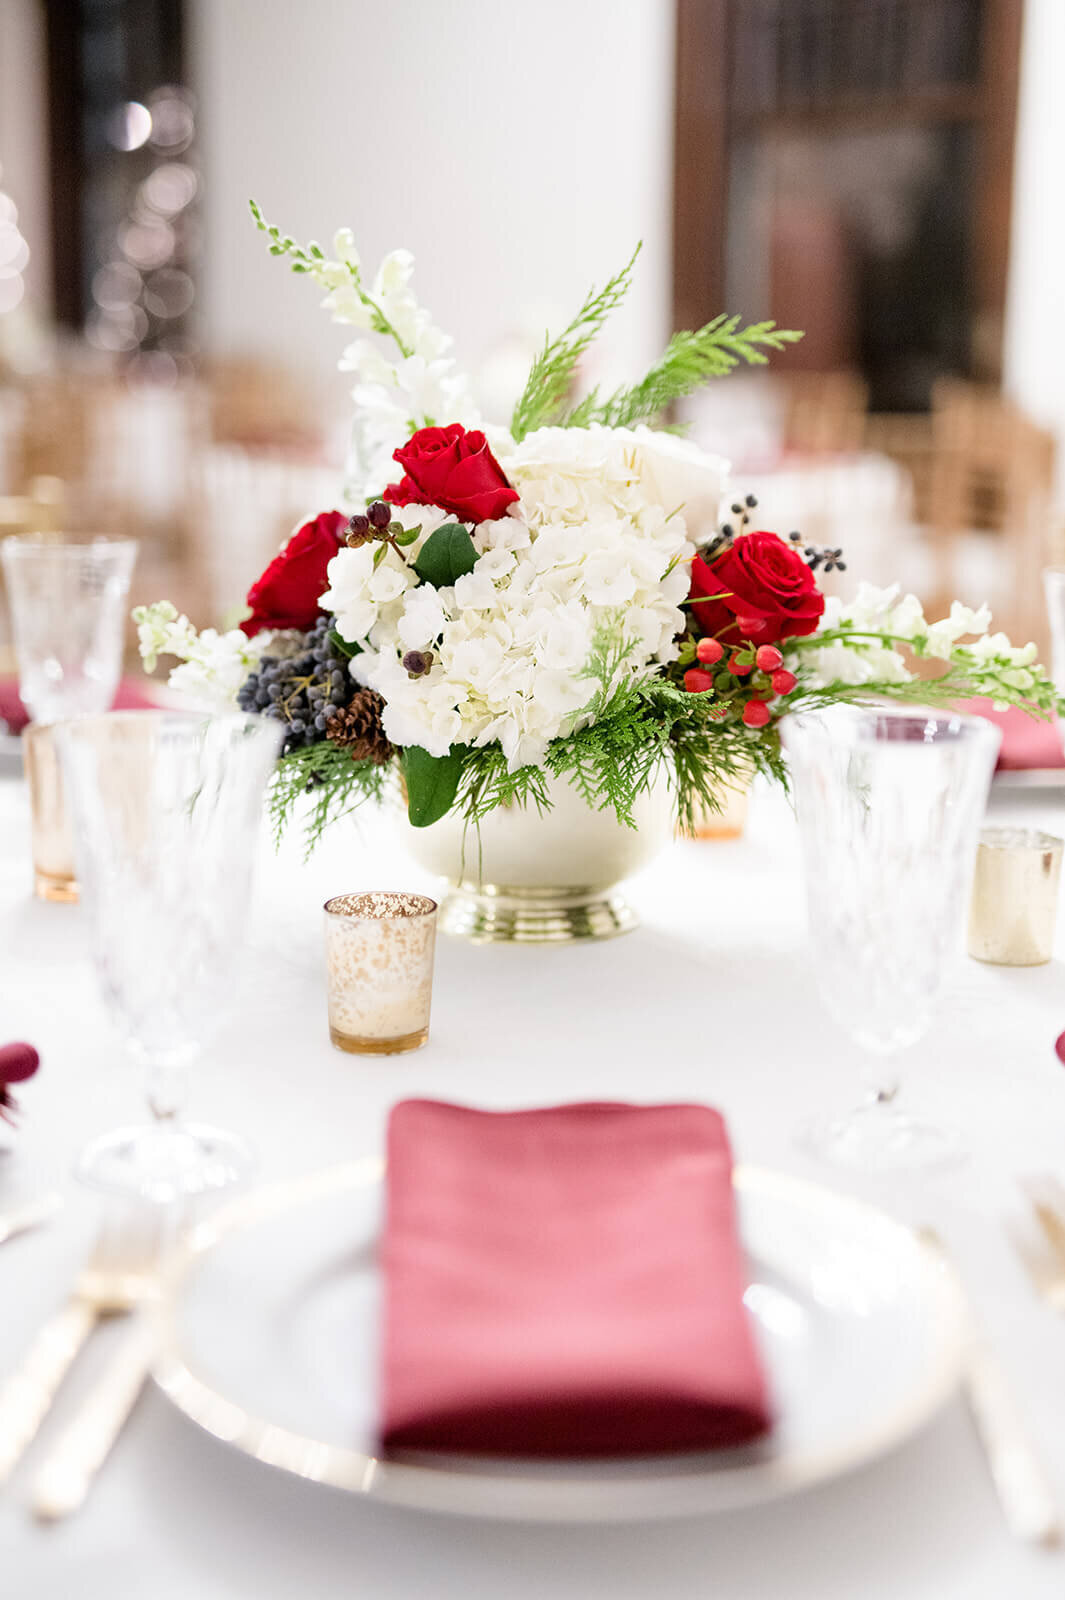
(485, 914)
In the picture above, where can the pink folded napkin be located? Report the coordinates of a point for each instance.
(132, 696)
(1027, 742)
(565, 1282)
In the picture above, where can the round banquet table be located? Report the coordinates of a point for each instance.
(710, 999)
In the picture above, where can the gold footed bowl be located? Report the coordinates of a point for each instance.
(523, 877)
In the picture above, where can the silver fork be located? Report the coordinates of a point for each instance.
(119, 1275)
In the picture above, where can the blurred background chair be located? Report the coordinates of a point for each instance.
(990, 504)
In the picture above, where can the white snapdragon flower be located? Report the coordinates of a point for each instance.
(161, 631)
(212, 665)
(848, 663)
(997, 647)
(907, 619)
(344, 248)
(944, 635)
(344, 302)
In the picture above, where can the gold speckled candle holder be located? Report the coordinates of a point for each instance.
(379, 948)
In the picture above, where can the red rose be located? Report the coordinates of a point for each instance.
(452, 469)
(763, 591)
(286, 596)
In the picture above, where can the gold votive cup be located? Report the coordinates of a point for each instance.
(51, 838)
(379, 949)
(1013, 912)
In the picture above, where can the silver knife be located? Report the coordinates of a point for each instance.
(30, 1215)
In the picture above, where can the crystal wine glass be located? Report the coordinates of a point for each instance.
(166, 807)
(68, 616)
(889, 802)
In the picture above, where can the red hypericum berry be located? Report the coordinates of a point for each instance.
(756, 713)
(783, 681)
(379, 514)
(709, 651)
(768, 658)
(696, 681)
(748, 626)
(740, 668)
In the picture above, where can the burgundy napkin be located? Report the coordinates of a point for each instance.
(565, 1282)
(131, 696)
(1027, 742)
(18, 1062)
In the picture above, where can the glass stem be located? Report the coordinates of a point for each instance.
(881, 1085)
(167, 1090)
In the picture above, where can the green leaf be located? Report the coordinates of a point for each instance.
(432, 782)
(447, 554)
(404, 536)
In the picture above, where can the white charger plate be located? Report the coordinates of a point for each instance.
(268, 1341)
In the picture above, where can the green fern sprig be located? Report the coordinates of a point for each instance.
(544, 396)
(689, 361)
(337, 783)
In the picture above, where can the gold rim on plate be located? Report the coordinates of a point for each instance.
(547, 1491)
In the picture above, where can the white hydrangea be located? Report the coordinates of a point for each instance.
(212, 665)
(601, 531)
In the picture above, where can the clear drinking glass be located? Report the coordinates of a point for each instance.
(51, 842)
(68, 618)
(889, 802)
(166, 807)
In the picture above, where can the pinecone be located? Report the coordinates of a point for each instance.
(357, 728)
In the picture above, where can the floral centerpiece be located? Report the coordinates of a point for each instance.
(550, 614)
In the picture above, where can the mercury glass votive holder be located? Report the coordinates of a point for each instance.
(379, 948)
(51, 838)
(1013, 912)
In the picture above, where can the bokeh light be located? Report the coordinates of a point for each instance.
(11, 291)
(168, 293)
(116, 285)
(170, 188)
(173, 119)
(146, 244)
(129, 126)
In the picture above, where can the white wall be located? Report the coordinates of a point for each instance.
(519, 150)
(1035, 317)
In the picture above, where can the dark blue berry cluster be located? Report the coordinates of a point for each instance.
(301, 689)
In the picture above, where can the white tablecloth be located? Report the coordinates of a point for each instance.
(710, 999)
